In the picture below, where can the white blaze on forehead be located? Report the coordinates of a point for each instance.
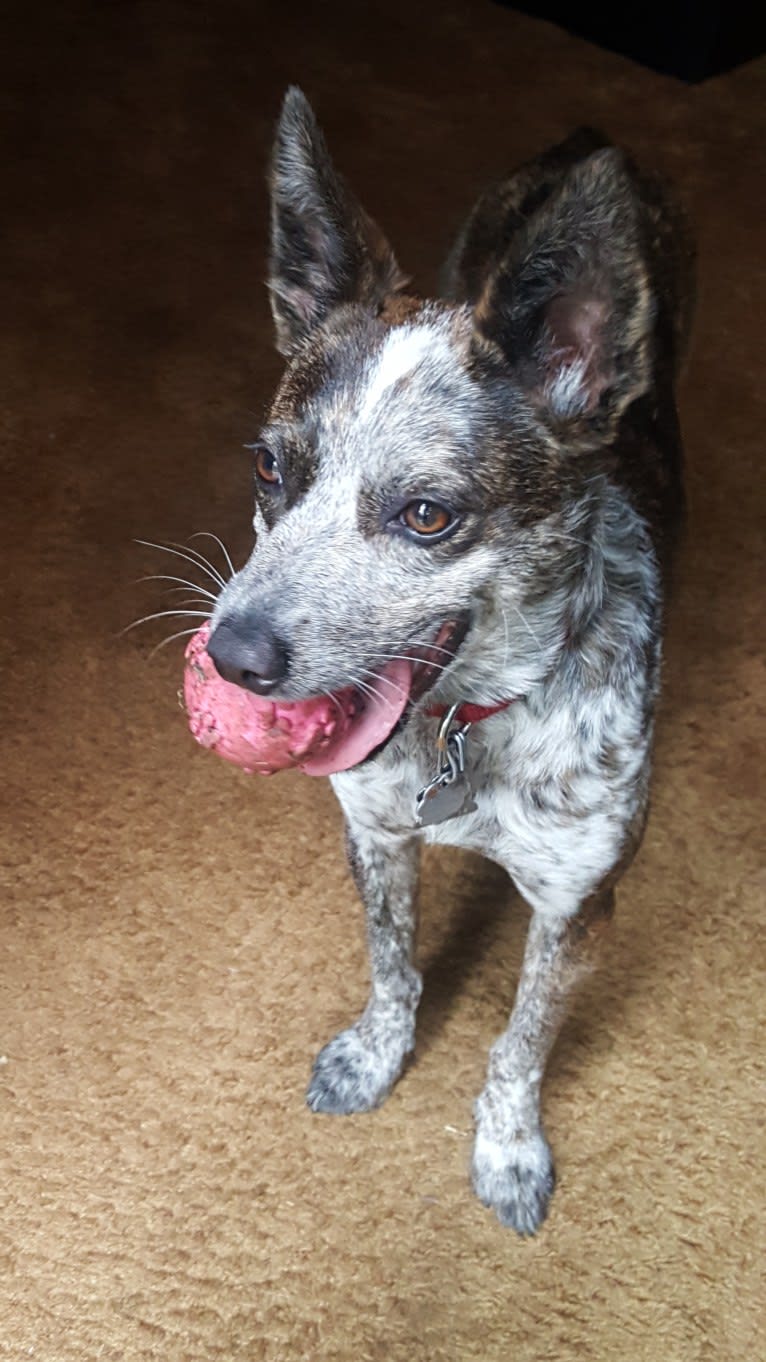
(402, 352)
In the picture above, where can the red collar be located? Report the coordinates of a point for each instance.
(468, 714)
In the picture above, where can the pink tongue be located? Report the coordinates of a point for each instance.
(323, 735)
(354, 740)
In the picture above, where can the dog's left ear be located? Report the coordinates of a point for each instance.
(325, 250)
(570, 306)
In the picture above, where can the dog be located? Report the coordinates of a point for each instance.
(467, 507)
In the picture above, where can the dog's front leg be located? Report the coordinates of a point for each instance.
(512, 1165)
(357, 1069)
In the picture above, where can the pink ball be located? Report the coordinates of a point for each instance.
(322, 735)
(253, 732)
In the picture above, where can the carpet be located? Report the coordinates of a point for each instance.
(178, 940)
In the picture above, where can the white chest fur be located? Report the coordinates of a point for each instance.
(556, 791)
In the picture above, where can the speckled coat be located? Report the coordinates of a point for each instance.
(533, 403)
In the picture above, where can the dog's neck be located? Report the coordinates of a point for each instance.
(603, 581)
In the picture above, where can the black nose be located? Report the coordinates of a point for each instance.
(248, 653)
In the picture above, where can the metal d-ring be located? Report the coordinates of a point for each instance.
(452, 744)
(445, 726)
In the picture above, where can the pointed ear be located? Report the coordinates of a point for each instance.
(570, 306)
(325, 250)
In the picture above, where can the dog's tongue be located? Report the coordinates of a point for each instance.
(365, 729)
(323, 735)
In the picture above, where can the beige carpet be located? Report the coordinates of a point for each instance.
(176, 940)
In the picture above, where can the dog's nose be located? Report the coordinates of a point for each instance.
(248, 653)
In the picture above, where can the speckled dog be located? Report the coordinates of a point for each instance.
(480, 492)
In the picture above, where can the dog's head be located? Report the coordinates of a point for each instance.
(419, 479)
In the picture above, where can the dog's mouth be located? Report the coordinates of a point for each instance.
(322, 735)
(376, 712)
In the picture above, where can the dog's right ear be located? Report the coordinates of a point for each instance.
(325, 250)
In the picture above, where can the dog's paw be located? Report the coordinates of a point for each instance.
(515, 1180)
(351, 1074)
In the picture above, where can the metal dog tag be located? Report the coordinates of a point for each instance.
(442, 800)
(449, 794)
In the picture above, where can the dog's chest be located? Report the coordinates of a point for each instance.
(552, 802)
(499, 760)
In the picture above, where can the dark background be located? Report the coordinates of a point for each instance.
(691, 39)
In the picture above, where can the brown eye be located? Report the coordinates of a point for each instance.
(267, 467)
(426, 518)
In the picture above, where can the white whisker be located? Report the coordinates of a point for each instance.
(433, 647)
(205, 534)
(181, 634)
(386, 679)
(184, 581)
(507, 638)
(162, 614)
(468, 693)
(528, 627)
(196, 562)
(407, 657)
(364, 688)
(192, 600)
(337, 704)
(203, 560)
(573, 540)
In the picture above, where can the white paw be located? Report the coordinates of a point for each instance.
(354, 1074)
(515, 1179)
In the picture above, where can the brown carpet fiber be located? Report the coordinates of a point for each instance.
(177, 940)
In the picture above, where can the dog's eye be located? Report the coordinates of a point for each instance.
(427, 519)
(267, 466)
